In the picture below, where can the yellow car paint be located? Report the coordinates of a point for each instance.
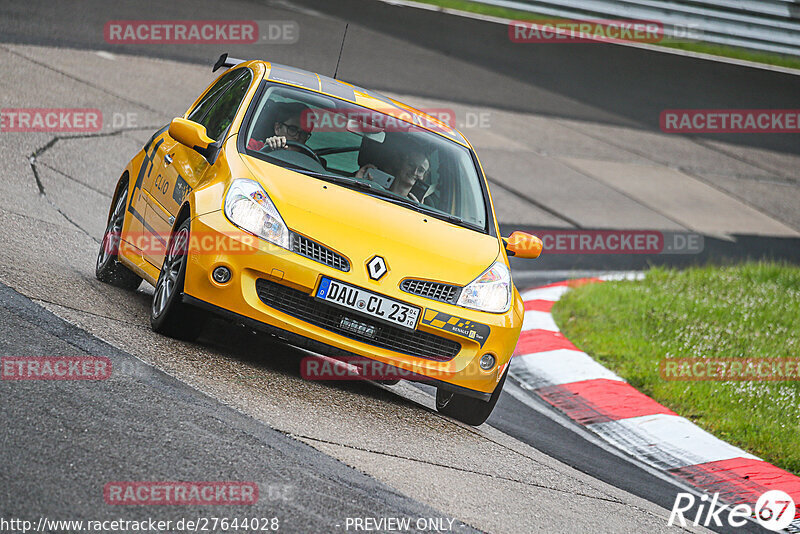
(353, 224)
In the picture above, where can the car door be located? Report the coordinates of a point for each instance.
(181, 167)
(150, 235)
(136, 209)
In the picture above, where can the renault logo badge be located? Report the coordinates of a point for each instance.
(376, 267)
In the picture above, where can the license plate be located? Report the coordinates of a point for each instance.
(368, 303)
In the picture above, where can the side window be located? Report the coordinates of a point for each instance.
(221, 113)
(205, 103)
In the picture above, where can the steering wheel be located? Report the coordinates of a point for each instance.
(306, 150)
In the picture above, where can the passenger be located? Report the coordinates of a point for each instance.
(408, 168)
(288, 126)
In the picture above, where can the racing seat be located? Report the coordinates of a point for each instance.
(378, 154)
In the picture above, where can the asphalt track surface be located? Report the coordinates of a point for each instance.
(598, 82)
(63, 442)
(171, 424)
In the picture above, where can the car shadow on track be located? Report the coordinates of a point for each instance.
(267, 355)
(255, 360)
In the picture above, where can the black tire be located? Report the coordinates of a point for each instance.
(107, 268)
(168, 314)
(468, 410)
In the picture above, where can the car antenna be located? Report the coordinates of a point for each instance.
(340, 51)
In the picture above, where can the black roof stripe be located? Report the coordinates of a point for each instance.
(337, 88)
(326, 84)
(279, 73)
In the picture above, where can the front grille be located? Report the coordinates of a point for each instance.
(313, 250)
(432, 290)
(305, 307)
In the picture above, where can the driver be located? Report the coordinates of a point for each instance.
(288, 126)
(408, 167)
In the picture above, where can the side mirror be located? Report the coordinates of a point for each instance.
(194, 136)
(523, 245)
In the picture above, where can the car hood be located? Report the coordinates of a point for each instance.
(360, 226)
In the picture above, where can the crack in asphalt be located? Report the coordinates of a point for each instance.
(32, 159)
(524, 482)
(55, 139)
(460, 469)
(86, 312)
(42, 193)
(72, 178)
(27, 216)
(79, 80)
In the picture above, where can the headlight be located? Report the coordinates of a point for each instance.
(490, 292)
(248, 206)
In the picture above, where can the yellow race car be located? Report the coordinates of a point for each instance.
(333, 217)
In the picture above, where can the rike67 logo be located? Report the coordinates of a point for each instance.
(774, 510)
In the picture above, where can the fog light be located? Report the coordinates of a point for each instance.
(221, 275)
(487, 362)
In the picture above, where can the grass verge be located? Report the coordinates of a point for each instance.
(745, 311)
(732, 52)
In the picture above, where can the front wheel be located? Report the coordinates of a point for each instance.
(468, 410)
(108, 269)
(168, 314)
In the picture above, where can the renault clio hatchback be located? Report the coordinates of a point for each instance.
(331, 216)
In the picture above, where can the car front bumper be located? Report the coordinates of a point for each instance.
(250, 259)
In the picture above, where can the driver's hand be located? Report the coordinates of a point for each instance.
(363, 170)
(275, 142)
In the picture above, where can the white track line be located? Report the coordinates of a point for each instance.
(525, 398)
(556, 367)
(545, 293)
(539, 320)
(667, 441)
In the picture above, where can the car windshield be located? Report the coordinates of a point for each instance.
(373, 152)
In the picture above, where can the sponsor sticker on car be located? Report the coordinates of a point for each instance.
(457, 325)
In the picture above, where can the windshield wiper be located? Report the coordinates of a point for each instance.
(379, 192)
(422, 208)
(341, 180)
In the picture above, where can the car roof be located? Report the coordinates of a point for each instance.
(360, 96)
